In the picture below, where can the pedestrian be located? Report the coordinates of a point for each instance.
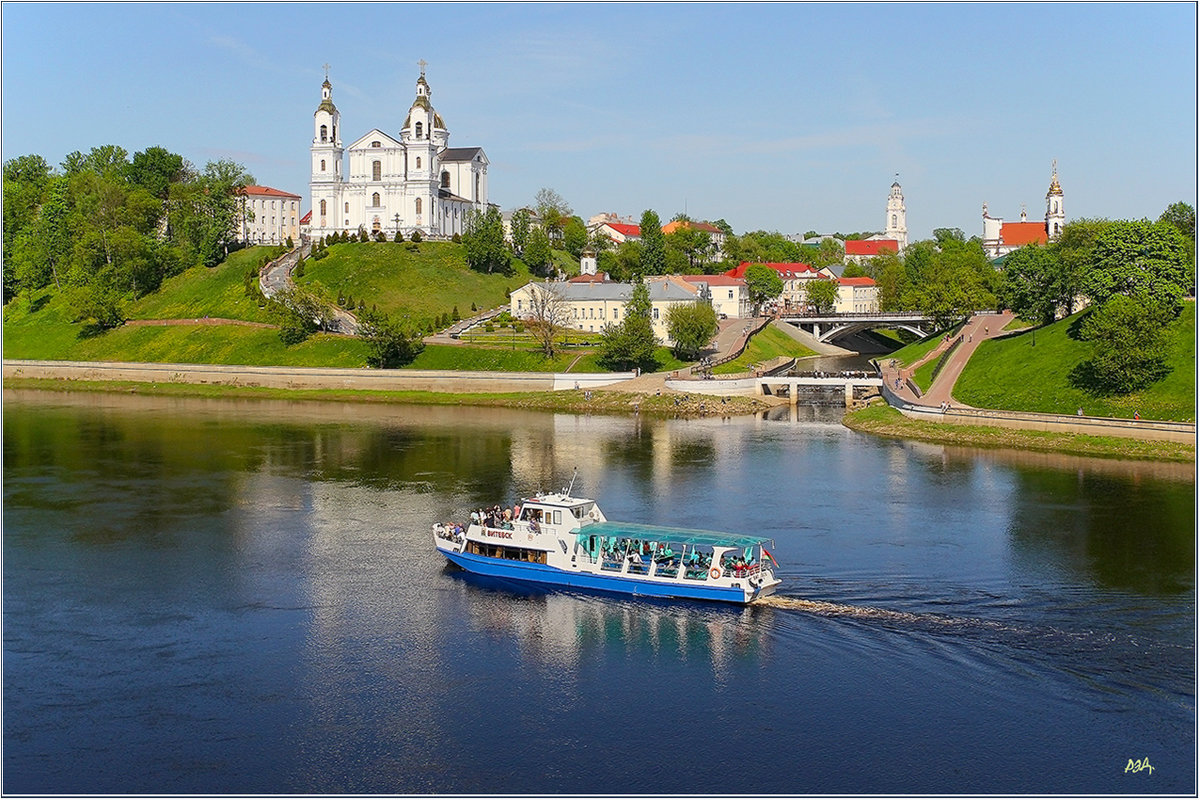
(1079, 411)
(1136, 415)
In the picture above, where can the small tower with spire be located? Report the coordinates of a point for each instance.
(424, 136)
(326, 176)
(1056, 217)
(896, 225)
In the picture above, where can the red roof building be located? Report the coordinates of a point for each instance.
(870, 247)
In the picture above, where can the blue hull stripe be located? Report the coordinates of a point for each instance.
(540, 573)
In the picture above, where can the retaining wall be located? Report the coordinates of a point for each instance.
(312, 377)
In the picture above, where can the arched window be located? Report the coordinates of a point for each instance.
(445, 180)
(893, 220)
(376, 144)
(418, 130)
(418, 205)
(322, 208)
(418, 162)
(376, 170)
(322, 165)
(324, 133)
(375, 200)
(476, 198)
(347, 208)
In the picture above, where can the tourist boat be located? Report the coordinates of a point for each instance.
(561, 540)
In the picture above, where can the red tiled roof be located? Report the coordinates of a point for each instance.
(785, 270)
(870, 247)
(1022, 233)
(599, 277)
(306, 219)
(624, 229)
(267, 191)
(863, 281)
(671, 227)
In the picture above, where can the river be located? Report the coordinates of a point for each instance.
(206, 596)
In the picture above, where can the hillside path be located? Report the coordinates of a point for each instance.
(978, 328)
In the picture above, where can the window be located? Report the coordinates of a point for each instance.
(347, 208)
(322, 165)
(376, 170)
(656, 313)
(893, 220)
(419, 131)
(376, 144)
(418, 162)
(322, 208)
(616, 313)
(375, 200)
(445, 180)
(418, 205)
(476, 198)
(324, 135)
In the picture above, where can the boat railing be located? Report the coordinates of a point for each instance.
(741, 570)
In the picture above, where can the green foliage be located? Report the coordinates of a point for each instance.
(762, 247)
(537, 252)
(632, 343)
(691, 326)
(1140, 258)
(553, 211)
(416, 236)
(949, 280)
(821, 294)
(575, 236)
(769, 343)
(693, 245)
(299, 314)
(391, 342)
(484, 242)
(398, 238)
(654, 245)
(762, 284)
(1031, 283)
(1129, 345)
(1181, 216)
(520, 230)
(623, 263)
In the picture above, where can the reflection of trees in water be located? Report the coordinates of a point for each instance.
(1123, 532)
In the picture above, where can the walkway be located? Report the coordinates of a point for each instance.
(277, 277)
(978, 328)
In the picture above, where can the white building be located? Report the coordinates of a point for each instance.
(268, 216)
(856, 296)
(729, 296)
(591, 306)
(896, 220)
(409, 182)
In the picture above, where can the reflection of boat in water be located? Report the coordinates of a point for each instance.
(561, 540)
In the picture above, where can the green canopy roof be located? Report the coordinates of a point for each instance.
(661, 533)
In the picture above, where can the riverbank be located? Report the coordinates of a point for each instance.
(596, 401)
(881, 419)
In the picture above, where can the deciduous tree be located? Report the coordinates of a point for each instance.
(654, 246)
(691, 326)
(631, 343)
(762, 284)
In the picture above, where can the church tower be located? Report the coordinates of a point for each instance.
(896, 226)
(1056, 217)
(326, 179)
(424, 136)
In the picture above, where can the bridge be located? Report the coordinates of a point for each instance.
(827, 327)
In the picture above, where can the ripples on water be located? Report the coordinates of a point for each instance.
(242, 598)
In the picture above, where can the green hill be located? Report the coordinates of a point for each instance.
(1030, 372)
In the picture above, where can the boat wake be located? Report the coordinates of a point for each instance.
(871, 613)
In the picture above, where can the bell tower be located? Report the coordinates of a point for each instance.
(896, 225)
(326, 177)
(1056, 217)
(424, 137)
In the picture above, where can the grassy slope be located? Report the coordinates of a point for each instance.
(423, 284)
(764, 345)
(1017, 374)
(200, 291)
(912, 353)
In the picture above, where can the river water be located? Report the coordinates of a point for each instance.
(207, 596)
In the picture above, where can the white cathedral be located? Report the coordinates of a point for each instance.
(412, 182)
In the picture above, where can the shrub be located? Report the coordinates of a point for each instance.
(416, 236)
(489, 327)
(456, 238)
(398, 238)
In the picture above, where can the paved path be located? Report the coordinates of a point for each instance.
(978, 328)
(277, 277)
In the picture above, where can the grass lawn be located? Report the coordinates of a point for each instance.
(911, 354)
(1030, 372)
(203, 291)
(423, 284)
(883, 420)
(764, 345)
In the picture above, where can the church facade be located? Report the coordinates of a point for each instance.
(1000, 238)
(412, 181)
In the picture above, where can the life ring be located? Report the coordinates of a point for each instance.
(714, 573)
(531, 537)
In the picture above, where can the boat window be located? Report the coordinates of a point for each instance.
(558, 518)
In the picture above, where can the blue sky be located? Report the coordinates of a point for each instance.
(785, 117)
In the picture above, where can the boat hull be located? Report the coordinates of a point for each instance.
(622, 584)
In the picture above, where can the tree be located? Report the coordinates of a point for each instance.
(484, 242)
(25, 181)
(391, 342)
(575, 236)
(548, 313)
(155, 169)
(623, 263)
(553, 211)
(691, 326)
(537, 253)
(947, 281)
(1142, 257)
(520, 230)
(1129, 345)
(821, 294)
(1031, 283)
(654, 245)
(696, 246)
(1182, 217)
(763, 284)
(888, 272)
(300, 314)
(631, 343)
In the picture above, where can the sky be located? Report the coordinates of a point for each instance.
(777, 117)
